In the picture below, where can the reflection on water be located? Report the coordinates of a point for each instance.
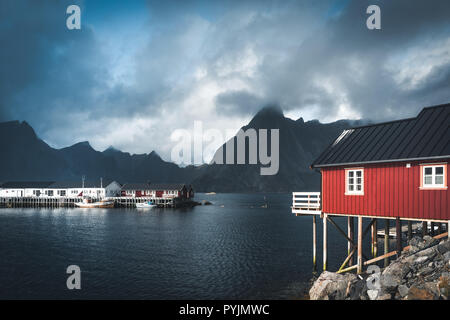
(234, 248)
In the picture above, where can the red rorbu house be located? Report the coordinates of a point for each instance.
(395, 170)
(157, 190)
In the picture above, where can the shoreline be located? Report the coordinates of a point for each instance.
(421, 273)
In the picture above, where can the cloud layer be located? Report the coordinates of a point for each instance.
(130, 78)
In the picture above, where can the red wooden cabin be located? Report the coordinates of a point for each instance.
(157, 190)
(393, 170)
(414, 190)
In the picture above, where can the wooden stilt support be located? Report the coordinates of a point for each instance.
(440, 228)
(409, 230)
(347, 260)
(360, 237)
(424, 228)
(386, 241)
(373, 229)
(351, 236)
(398, 231)
(324, 242)
(384, 256)
(314, 243)
(432, 229)
(376, 237)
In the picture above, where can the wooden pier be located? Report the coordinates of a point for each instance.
(36, 202)
(66, 202)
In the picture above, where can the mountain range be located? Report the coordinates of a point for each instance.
(25, 157)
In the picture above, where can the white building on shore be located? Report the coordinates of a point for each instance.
(52, 189)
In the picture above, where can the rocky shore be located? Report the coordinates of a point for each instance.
(421, 273)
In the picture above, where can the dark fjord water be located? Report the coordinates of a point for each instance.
(234, 249)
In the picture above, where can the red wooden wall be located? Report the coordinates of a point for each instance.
(390, 190)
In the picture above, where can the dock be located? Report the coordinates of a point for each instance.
(67, 202)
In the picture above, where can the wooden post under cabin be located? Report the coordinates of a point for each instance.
(360, 258)
(424, 228)
(374, 238)
(324, 242)
(314, 243)
(409, 230)
(398, 231)
(386, 241)
(432, 229)
(351, 236)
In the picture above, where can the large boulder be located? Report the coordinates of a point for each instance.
(426, 292)
(334, 286)
(416, 243)
(423, 273)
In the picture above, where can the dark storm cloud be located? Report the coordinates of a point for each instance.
(223, 59)
(233, 102)
(50, 73)
(343, 62)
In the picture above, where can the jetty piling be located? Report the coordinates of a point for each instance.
(360, 252)
(67, 202)
(398, 229)
(325, 240)
(314, 244)
(351, 240)
(386, 242)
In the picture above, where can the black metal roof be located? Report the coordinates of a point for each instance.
(136, 186)
(426, 136)
(167, 186)
(25, 184)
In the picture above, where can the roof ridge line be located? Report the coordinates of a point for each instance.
(401, 120)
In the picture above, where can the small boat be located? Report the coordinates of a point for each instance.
(146, 205)
(88, 203)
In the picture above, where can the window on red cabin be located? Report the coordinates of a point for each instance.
(433, 176)
(354, 181)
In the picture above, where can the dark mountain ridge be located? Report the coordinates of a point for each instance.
(300, 143)
(26, 157)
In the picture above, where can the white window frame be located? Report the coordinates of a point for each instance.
(354, 192)
(434, 185)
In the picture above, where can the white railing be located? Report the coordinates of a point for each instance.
(306, 203)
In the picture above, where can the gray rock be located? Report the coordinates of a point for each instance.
(426, 271)
(444, 247)
(390, 282)
(373, 294)
(447, 256)
(417, 243)
(331, 286)
(433, 288)
(414, 244)
(420, 260)
(384, 296)
(403, 290)
(393, 276)
(356, 290)
(421, 275)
